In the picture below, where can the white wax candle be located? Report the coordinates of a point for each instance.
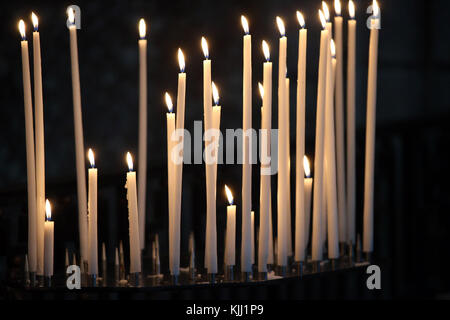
(317, 249)
(142, 163)
(49, 230)
(133, 218)
(246, 262)
(79, 140)
(92, 216)
(330, 159)
(40, 149)
(339, 109)
(31, 169)
(283, 171)
(370, 133)
(230, 236)
(288, 215)
(308, 191)
(270, 258)
(300, 218)
(351, 166)
(265, 226)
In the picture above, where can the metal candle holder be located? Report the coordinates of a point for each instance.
(229, 273)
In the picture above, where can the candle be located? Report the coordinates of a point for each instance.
(283, 171)
(330, 159)
(79, 143)
(339, 107)
(246, 263)
(133, 218)
(265, 225)
(171, 184)
(31, 169)
(308, 191)
(270, 258)
(317, 249)
(230, 235)
(142, 172)
(300, 219)
(288, 216)
(351, 166)
(40, 150)
(370, 132)
(92, 216)
(49, 229)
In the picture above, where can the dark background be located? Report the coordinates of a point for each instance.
(411, 178)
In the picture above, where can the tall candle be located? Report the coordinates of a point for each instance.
(330, 156)
(31, 169)
(79, 143)
(92, 216)
(351, 113)
(270, 258)
(370, 132)
(142, 163)
(246, 263)
(40, 149)
(289, 215)
(283, 170)
(49, 231)
(300, 218)
(339, 110)
(308, 191)
(317, 249)
(133, 218)
(230, 235)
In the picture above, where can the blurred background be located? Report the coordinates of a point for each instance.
(412, 215)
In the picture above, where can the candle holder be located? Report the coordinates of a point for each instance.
(174, 279)
(40, 280)
(334, 264)
(92, 280)
(298, 266)
(32, 276)
(212, 278)
(48, 281)
(315, 266)
(246, 276)
(229, 273)
(135, 280)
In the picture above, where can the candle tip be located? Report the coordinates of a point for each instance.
(326, 12)
(130, 161)
(48, 210)
(215, 93)
(351, 9)
(266, 50)
(168, 102)
(280, 24)
(337, 7)
(306, 167)
(205, 48)
(91, 158)
(229, 195)
(376, 9)
(333, 48)
(71, 15)
(35, 21)
(181, 61)
(22, 29)
(322, 19)
(245, 24)
(142, 28)
(301, 19)
(261, 90)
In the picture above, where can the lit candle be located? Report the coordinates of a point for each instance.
(300, 219)
(49, 229)
(79, 140)
(133, 218)
(288, 216)
(171, 184)
(40, 150)
(330, 159)
(92, 216)
(351, 167)
(246, 263)
(142, 172)
(283, 136)
(31, 169)
(370, 131)
(317, 249)
(230, 236)
(339, 107)
(308, 191)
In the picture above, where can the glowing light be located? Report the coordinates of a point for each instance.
(229, 195)
(35, 20)
(71, 14)
(326, 12)
(244, 24)
(266, 50)
(337, 7)
(215, 93)
(333, 48)
(205, 48)
(351, 9)
(280, 24)
(261, 90)
(181, 60)
(22, 29)
(376, 9)
(48, 210)
(301, 19)
(142, 28)
(91, 157)
(322, 19)
(130, 161)
(168, 102)
(306, 166)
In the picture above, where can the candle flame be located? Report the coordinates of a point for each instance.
(34, 18)
(333, 49)
(337, 7)
(130, 161)
(261, 90)
(168, 102)
(266, 50)
(22, 29)
(280, 24)
(376, 9)
(326, 12)
(301, 19)
(91, 157)
(205, 48)
(306, 166)
(244, 24)
(351, 9)
(181, 60)
(322, 19)
(71, 14)
(48, 210)
(229, 195)
(142, 28)
(215, 93)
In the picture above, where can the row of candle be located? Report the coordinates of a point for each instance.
(329, 201)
